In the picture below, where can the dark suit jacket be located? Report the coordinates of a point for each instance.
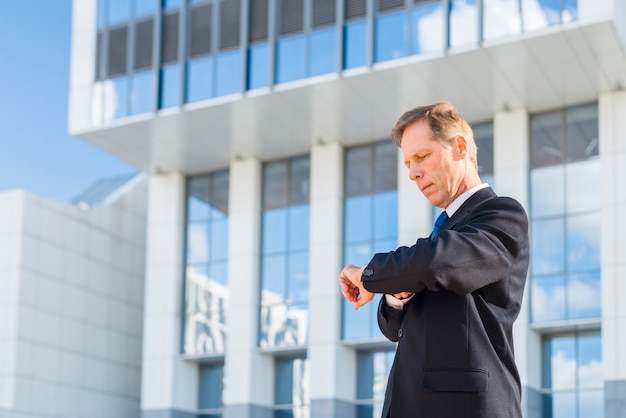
(455, 345)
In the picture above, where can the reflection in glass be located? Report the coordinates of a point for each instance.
(483, 137)
(427, 28)
(170, 4)
(228, 77)
(285, 253)
(322, 52)
(547, 196)
(170, 87)
(291, 59)
(501, 18)
(390, 38)
(581, 132)
(116, 98)
(547, 246)
(199, 79)
(573, 376)
(583, 242)
(548, 298)
(546, 144)
(463, 22)
(142, 93)
(540, 13)
(355, 43)
(373, 367)
(258, 66)
(583, 296)
(358, 219)
(119, 11)
(206, 273)
(145, 7)
(292, 395)
(210, 386)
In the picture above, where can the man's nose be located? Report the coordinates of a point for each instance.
(414, 172)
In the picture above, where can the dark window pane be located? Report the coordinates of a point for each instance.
(219, 193)
(385, 167)
(275, 185)
(358, 171)
(324, 12)
(390, 4)
(99, 55)
(210, 386)
(118, 46)
(299, 181)
(257, 20)
(229, 23)
(291, 16)
(581, 132)
(144, 32)
(200, 30)
(284, 381)
(483, 136)
(169, 40)
(546, 144)
(354, 8)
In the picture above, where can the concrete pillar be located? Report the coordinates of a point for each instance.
(169, 384)
(612, 148)
(333, 366)
(248, 374)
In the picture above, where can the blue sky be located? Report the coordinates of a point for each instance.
(36, 152)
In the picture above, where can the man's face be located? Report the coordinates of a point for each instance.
(435, 167)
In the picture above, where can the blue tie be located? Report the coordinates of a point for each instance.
(443, 217)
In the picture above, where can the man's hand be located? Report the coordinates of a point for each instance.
(352, 287)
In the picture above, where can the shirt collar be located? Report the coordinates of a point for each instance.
(456, 204)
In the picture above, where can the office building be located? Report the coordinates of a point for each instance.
(263, 127)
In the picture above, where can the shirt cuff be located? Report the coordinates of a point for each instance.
(396, 303)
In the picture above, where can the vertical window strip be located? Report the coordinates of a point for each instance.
(291, 16)
(257, 20)
(324, 13)
(118, 41)
(354, 9)
(144, 32)
(169, 40)
(200, 30)
(230, 11)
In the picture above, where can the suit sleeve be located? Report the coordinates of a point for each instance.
(478, 251)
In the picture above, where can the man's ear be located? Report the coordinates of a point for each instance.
(460, 143)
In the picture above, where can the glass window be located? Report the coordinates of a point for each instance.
(258, 66)
(483, 137)
(228, 76)
(171, 4)
(119, 11)
(206, 261)
(390, 39)
(463, 22)
(370, 221)
(572, 376)
(292, 396)
(539, 14)
(501, 18)
(285, 253)
(322, 52)
(145, 7)
(142, 92)
(355, 44)
(169, 94)
(210, 389)
(116, 98)
(427, 27)
(565, 215)
(373, 369)
(291, 59)
(199, 79)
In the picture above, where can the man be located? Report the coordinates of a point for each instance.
(450, 299)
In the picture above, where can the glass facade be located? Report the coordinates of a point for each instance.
(370, 221)
(373, 368)
(210, 390)
(292, 395)
(285, 254)
(565, 215)
(572, 376)
(304, 42)
(206, 265)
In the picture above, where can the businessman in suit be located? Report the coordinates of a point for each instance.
(450, 300)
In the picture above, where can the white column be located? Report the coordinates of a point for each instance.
(168, 382)
(333, 367)
(612, 129)
(248, 375)
(511, 168)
